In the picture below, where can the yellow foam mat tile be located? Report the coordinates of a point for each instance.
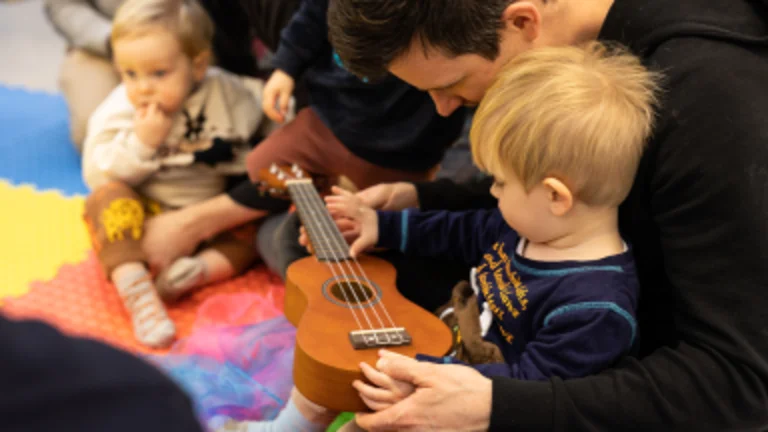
(39, 232)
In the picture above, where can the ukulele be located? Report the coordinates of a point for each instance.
(345, 309)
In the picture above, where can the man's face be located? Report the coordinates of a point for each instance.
(452, 81)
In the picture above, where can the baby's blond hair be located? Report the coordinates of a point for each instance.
(580, 114)
(185, 18)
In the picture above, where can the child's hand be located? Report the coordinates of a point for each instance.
(277, 95)
(152, 126)
(346, 206)
(387, 391)
(349, 230)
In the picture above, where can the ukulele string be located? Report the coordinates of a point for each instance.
(342, 244)
(312, 219)
(327, 223)
(308, 194)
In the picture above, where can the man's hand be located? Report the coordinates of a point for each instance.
(386, 391)
(390, 196)
(277, 95)
(167, 237)
(447, 398)
(152, 126)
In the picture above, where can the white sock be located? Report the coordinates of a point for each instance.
(151, 324)
(184, 274)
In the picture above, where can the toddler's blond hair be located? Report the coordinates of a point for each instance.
(186, 18)
(580, 114)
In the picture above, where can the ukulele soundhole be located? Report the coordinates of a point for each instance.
(352, 292)
(348, 292)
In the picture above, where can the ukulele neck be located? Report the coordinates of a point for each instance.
(327, 241)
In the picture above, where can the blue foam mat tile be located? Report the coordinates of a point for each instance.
(35, 147)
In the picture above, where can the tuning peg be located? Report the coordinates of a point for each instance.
(296, 169)
(281, 175)
(273, 169)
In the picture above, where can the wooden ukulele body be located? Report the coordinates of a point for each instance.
(325, 361)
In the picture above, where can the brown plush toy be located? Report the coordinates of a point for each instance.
(469, 344)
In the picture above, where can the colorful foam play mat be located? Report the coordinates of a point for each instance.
(234, 350)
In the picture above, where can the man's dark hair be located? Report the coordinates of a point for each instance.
(369, 34)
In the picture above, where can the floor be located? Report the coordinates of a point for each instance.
(31, 48)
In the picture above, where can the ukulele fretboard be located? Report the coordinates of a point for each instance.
(327, 241)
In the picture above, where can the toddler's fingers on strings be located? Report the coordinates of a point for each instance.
(346, 223)
(363, 242)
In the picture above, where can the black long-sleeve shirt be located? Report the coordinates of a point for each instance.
(697, 218)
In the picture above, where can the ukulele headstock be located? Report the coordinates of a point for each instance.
(274, 180)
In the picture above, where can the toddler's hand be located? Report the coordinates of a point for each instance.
(345, 206)
(350, 230)
(277, 95)
(386, 392)
(152, 126)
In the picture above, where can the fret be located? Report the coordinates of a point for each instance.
(327, 241)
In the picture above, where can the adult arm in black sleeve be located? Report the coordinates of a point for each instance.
(446, 194)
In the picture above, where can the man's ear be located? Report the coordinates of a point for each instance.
(523, 17)
(559, 195)
(200, 65)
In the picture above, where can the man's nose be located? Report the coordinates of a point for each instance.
(444, 104)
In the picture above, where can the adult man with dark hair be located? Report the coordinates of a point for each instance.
(696, 216)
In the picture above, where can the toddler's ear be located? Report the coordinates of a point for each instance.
(560, 196)
(200, 65)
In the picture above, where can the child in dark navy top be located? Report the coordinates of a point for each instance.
(562, 131)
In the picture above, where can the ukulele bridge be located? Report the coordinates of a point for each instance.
(378, 338)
